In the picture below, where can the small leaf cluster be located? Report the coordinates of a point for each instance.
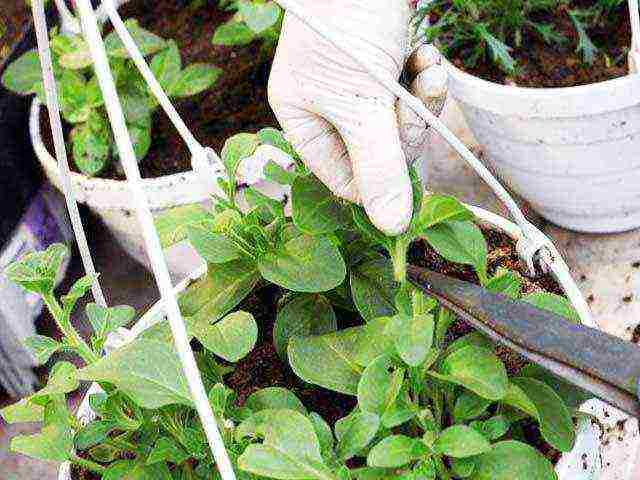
(428, 405)
(491, 30)
(253, 20)
(80, 97)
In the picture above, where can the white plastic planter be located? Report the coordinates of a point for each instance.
(588, 459)
(573, 153)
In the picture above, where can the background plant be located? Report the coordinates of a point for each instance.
(81, 100)
(253, 20)
(428, 406)
(490, 30)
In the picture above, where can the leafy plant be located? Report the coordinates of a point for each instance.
(81, 100)
(490, 30)
(253, 20)
(428, 405)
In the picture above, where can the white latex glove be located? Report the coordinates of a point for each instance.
(345, 125)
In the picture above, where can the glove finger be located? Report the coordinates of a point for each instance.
(379, 166)
(321, 149)
(430, 86)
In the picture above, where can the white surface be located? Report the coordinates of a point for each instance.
(573, 153)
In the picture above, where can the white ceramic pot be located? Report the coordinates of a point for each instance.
(591, 453)
(573, 153)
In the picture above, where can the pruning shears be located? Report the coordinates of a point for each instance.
(604, 365)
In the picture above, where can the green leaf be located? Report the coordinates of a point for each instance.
(460, 242)
(235, 149)
(93, 434)
(554, 303)
(585, 45)
(516, 397)
(498, 50)
(78, 290)
(23, 411)
(259, 16)
(324, 434)
(166, 65)
(413, 337)
(232, 338)
(274, 172)
(492, 428)
(194, 79)
(437, 209)
(395, 451)
(571, 395)
(72, 51)
(167, 449)
(53, 444)
(304, 314)
(219, 291)
(133, 470)
(474, 338)
(373, 289)
(469, 406)
(233, 33)
(335, 360)
(22, 75)
(63, 379)
(554, 417)
(304, 264)
(140, 133)
(511, 460)
(92, 145)
(147, 42)
(379, 386)
(147, 371)
(508, 283)
(460, 441)
(315, 210)
(37, 271)
(171, 225)
(211, 246)
(41, 347)
(290, 449)
(462, 467)
(274, 398)
(105, 320)
(356, 432)
(477, 369)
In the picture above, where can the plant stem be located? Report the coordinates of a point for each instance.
(88, 465)
(72, 337)
(399, 259)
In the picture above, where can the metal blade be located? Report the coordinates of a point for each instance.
(605, 365)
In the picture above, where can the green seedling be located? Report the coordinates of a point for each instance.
(253, 20)
(81, 99)
(429, 405)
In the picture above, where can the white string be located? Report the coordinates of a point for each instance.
(152, 242)
(533, 240)
(68, 23)
(51, 93)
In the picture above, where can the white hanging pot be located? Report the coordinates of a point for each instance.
(596, 455)
(573, 153)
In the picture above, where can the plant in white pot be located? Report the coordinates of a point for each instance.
(544, 89)
(165, 159)
(321, 361)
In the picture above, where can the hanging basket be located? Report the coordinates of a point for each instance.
(586, 461)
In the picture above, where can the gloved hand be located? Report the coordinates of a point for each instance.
(348, 128)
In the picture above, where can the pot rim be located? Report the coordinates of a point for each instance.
(586, 437)
(105, 193)
(531, 102)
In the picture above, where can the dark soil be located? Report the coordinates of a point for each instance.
(558, 65)
(236, 103)
(13, 17)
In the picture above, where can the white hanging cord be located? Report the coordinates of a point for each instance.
(123, 141)
(202, 158)
(51, 93)
(68, 23)
(533, 240)
(634, 51)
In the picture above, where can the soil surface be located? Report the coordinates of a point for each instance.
(558, 65)
(263, 368)
(236, 103)
(13, 17)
